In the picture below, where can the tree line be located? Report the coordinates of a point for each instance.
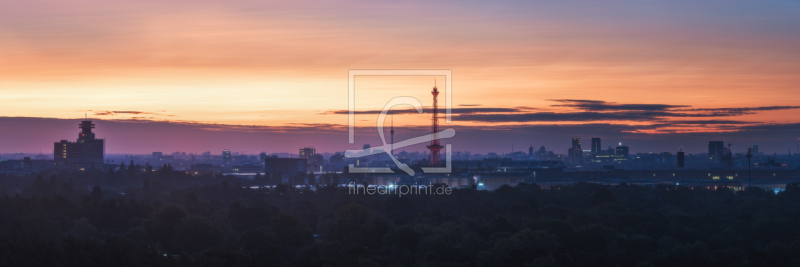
(169, 218)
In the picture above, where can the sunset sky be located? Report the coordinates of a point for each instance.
(272, 75)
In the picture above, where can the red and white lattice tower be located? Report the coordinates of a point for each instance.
(435, 147)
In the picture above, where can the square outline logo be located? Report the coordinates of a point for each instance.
(351, 104)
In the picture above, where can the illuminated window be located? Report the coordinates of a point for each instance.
(730, 177)
(716, 178)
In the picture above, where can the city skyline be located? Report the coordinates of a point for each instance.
(399, 133)
(574, 67)
(137, 137)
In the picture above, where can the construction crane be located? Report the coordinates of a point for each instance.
(749, 164)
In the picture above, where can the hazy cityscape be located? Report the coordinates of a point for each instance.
(409, 133)
(185, 208)
(720, 166)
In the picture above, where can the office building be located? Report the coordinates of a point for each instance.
(307, 152)
(87, 152)
(681, 159)
(226, 157)
(596, 147)
(716, 150)
(575, 153)
(247, 168)
(542, 153)
(622, 151)
(205, 168)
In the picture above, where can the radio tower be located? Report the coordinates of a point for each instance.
(435, 147)
(391, 149)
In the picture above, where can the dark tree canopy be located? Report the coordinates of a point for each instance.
(140, 217)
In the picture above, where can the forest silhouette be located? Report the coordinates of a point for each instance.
(169, 218)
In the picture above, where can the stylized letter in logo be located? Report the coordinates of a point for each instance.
(403, 100)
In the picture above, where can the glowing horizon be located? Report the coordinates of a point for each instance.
(281, 64)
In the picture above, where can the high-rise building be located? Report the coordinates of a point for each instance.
(575, 153)
(716, 150)
(530, 151)
(87, 151)
(681, 159)
(542, 153)
(622, 151)
(307, 152)
(755, 150)
(226, 157)
(596, 147)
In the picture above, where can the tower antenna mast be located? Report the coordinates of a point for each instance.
(435, 146)
(749, 171)
(391, 148)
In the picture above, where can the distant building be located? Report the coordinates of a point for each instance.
(610, 150)
(158, 155)
(596, 147)
(681, 159)
(205, 168)
(307, 152)
(247, 168)
(665, 157)
(622, 151)
(24, 166)
(575, 153)
(226, 157)
(315, 161)
(530, 151)
(84, 153)
(286, 167)
(542, 153)
(336, 159)
(716, 150)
